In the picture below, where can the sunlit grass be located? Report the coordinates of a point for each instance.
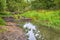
(46, 18)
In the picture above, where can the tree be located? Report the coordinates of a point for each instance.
(42, 4)
(2, 5)
(16, 5)
(57, 4)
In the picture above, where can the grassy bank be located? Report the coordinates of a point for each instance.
(46, 18)
(4, 14)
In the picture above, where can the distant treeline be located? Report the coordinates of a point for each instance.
(24, 5)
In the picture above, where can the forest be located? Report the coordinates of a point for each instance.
(29, 19)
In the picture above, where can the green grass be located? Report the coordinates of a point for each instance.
(2, 22)
(4, 14)
(46, 18)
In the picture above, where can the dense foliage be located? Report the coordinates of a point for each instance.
(23, 5)
(2, 5)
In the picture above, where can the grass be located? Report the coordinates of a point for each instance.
(46, 18)
(4, 14)
(2, 22)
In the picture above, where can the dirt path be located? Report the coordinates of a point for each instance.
(13, 32)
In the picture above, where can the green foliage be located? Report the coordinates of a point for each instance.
(2, 5)
(4, 14)
(47, 18)
(57, 2)
(22, 5)
(2, 22)
(16, 5)
(45, 4)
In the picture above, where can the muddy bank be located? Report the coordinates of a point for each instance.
(12, 33)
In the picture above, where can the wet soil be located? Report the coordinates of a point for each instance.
(13, 32)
